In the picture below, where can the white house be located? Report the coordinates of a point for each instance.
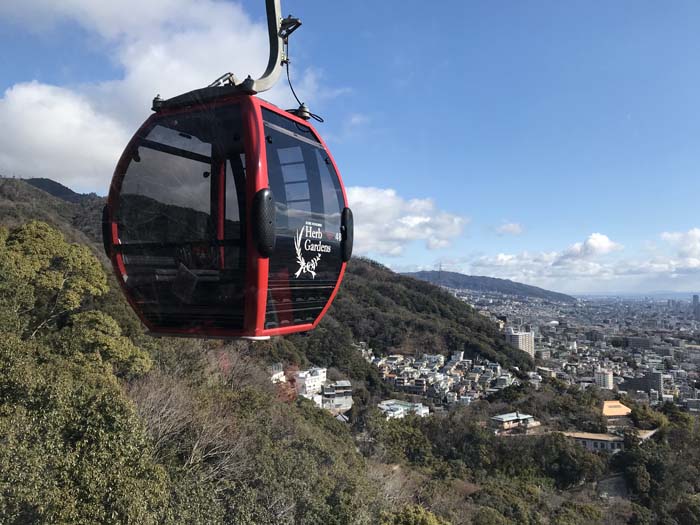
(337, 397)
(309, 382)
(513, 420)
(277, 373)
(396, 409)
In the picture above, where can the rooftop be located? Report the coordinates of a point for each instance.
(389, 403)
(593, 436)
(511, 416)
(615, 409)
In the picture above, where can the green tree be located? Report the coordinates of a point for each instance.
(488, 516)
(572, 513)
(638, 479)
(73, 449)
(412, 515)
(640, 515)
(566, 462)
(399, 440)
(97, 334)
(43, 278)
(687, 512)
(647, 418)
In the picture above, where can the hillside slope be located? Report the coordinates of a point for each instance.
(80, 221)
(218, 443)
(390, 311)
(58, 190)
(400, 314)
(489, 284)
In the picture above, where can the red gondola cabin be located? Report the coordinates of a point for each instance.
(227, 218)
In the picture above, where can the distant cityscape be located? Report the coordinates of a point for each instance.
(643, 349)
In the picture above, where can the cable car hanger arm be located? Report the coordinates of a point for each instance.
(278, 30)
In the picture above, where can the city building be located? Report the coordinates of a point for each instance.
(638, 342)
(337, 397)
(616, 414)
(612, 443)
(277, 373)
(397, 409)
(309, 382)
(543, 353)
(644, 342)
(692, 404)
(652, 380)
(513, 420)
(312, 384)
(598, 442)
(524, 341)
(604, 378)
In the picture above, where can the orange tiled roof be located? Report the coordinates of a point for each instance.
(615, 409)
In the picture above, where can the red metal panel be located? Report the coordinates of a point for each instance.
(256, 179)
(287, 330)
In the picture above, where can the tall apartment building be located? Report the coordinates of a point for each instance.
(524, 341)
(653, 380)
(604, 378)
(656, 381)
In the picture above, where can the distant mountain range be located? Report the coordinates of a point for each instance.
(59, 190)
(480, 283)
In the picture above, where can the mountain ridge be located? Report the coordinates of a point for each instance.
(59, 190)
(481, 283)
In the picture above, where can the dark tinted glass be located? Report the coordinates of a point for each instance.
(183, 252)
(306, 263)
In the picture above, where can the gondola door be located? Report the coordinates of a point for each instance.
(307, 263)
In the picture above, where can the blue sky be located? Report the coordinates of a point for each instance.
(554, 143)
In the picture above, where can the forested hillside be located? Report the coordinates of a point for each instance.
(100, 423)
(59, 190)
(79, 221)
(83, 387)
(394, 312)
(98, 427)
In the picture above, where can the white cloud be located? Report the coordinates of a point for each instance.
(162, 46)
(686, 243)
(358, 119)
(588, 265)
(581, 262)
(385, 223)
(510, 228)
(596, 244)
(57, 133)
